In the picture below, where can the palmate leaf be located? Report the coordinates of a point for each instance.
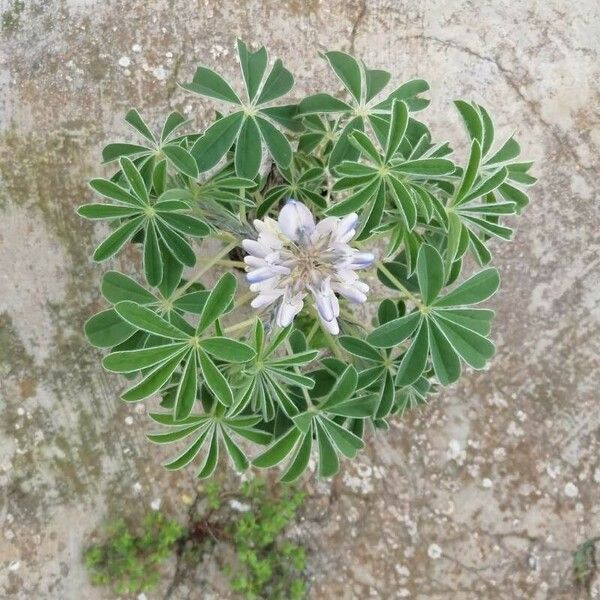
(107, 328)
(254, 123)
(207, 433)
(387, 183)
(363, 86)
(165, 224)
(164, 144)
(179, 346)
(317, 423)
(442, 336)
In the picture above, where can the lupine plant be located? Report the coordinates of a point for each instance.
(283, 205)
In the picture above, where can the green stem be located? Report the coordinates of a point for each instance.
(395, 281)
(238, 326)
(207, 266)
(288, 347)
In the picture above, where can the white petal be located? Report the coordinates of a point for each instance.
(266, 298)
(331, 326)
(259, 275)
(326, 302)
(255, 248)
(288, 309)
(362, 260)
(296, 221)
(351, 293)
(345, 229)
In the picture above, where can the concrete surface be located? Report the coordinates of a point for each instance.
(485, 493)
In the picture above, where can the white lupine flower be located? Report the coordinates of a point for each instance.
(293, 257)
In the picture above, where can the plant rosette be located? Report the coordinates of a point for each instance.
(315, 208)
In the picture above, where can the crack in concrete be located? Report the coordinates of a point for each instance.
(509, 77)
(362, 11)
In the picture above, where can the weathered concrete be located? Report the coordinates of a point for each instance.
(485, 493)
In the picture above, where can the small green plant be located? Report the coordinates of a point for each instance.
(129, 558)
(309, 194)
(264, 565)
(584, 564)
(269, 566)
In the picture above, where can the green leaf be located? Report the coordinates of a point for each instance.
(278, 450)
(173, 122)
(248, 150)
(116, 287)
(152, 257)
(216, 141)
(192, 302)
(413, 362)
(375, 80)
(134, 178)
(394, 332)
(345, 441)
(344, 148)
(279, 82)
(398, 123)
(355, 201)
(356, 407)
(446, 363)
(188, 455)
(106, 211)
(113, 151)
(426, 166)
(387, 311)
(185, 224)
(176, 244)
(430, 273)
(343, 389)
(130, 361)
(476, 289)
(348, 71)
(111, 190)
(470, 172)
(212, 457)
(473, 348)
(208, 83)
(276, 142)
(359, 348)
(404, 202)
(386, 397)
(509, 150)
(228, 350)
(486, 186)
(107, 328)
(147, 320)
(214, 379)
(218, 301)
(237, 456)
(117, 239)
(476, 319)
(154, 381)
(181, 159)
(135, 120)
(322, 103)
(299, 462)
(329, 463)
(187, 389)
(253, 65)
(471, 119)
(408, 92)
(300, 358)
(284, 115)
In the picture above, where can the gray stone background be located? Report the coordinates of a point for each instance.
(485, 493)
